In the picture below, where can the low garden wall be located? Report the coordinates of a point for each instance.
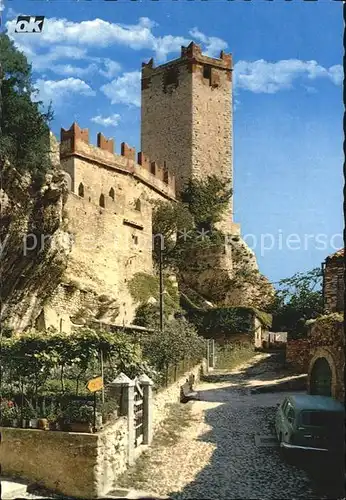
(163, 398)
(60, 461)
(78, 464)
(74, 464)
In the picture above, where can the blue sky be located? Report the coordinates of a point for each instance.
(287, 94)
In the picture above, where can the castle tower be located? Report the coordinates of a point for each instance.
(187, 116)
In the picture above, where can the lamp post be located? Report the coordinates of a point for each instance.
(161, 288)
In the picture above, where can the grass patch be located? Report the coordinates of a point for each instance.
(169, 433)
(229, 356)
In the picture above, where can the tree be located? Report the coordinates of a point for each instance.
(177, 226)
(298, 299)
(24, 139)
(207, 200)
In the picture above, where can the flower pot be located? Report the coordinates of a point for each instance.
(81, 427)
(24, 423)
(42, 423)
(33, 423)
(15, 422)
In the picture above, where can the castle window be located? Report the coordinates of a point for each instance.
(135, 239)
(102, 201)
(112, 193)
(207, 72)
(81, 190)
(138, 205)
(170, 79)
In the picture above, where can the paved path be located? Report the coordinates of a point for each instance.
(229, 451)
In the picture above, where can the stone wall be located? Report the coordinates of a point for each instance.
(72, 464)
(298, 354)
(325, 339)
(163, 398)
(334, 284)
(112, 455)
(60, 461)
(108, 215)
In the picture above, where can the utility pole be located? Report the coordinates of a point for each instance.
(161, 288)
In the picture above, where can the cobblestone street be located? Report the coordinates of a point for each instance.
(229, 451)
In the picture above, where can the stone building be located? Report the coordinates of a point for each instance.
(327, 338)
(321, 355)
(186, 132)
(108, 214)
(187, 117)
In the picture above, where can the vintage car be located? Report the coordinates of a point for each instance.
(306, 422)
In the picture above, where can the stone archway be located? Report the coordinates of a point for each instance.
(322, 374)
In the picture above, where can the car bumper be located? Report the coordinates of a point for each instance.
(296, 447)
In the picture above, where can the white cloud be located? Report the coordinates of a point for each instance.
(265, 77)
(59, 91)
(125, 89)
(112, 68)
(107, 121)
(100, 33)
(213, 45)
(336, 74)
(69, 69)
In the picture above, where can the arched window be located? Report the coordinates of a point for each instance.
(81, 190)
(138, 205)
(102, 201)
(112, 193)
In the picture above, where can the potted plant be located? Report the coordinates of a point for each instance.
(79, 417)
(52, 419)
(42, 422)
(9, 413)
(29, 417)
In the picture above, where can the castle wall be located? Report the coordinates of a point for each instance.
(110, 223)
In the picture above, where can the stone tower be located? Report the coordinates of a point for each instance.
(187, 117)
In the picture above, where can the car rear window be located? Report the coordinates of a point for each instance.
(321, 419)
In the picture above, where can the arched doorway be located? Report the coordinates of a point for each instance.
(321, 378)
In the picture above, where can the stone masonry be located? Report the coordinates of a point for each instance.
(109, 218)
(187, 117)
(334, 284)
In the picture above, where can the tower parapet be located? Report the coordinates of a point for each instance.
(75, 143)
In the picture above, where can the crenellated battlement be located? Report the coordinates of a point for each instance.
(191, 55)
(75, 143)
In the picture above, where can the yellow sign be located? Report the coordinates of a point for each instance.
(95, 384)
